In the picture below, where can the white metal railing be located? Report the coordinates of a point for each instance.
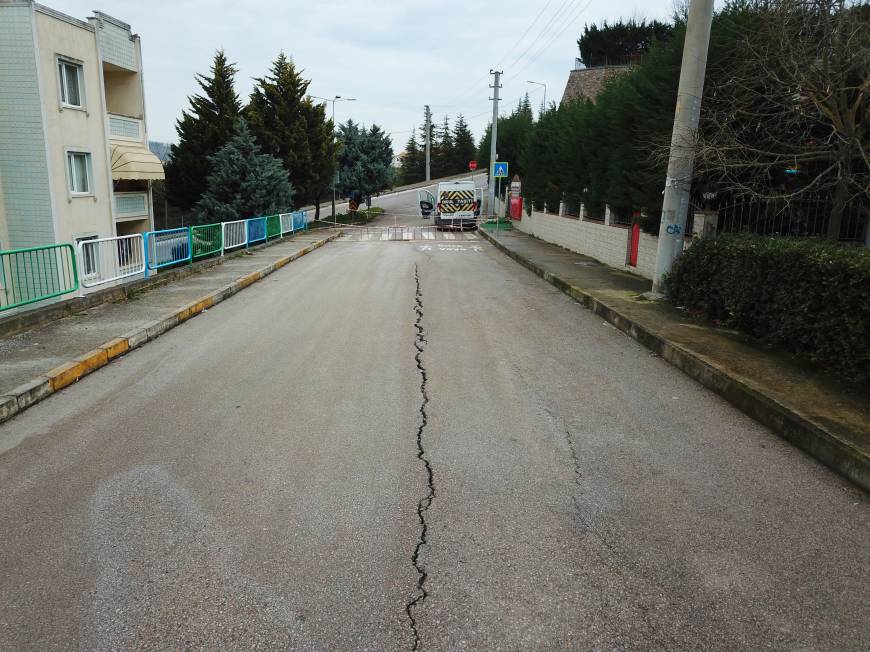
(235, 234)
(122, 127)
(131, 204)
(286, 223)
(108, 259)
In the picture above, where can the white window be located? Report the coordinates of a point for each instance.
(79, 167)
(71, 87)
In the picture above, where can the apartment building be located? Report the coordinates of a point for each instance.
(74, 158)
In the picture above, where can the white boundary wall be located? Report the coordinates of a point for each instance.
(605, 243)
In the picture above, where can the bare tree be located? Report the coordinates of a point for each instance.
(786, 111)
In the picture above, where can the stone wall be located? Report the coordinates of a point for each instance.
(588, 82)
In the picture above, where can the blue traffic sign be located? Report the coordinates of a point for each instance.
(500, 170)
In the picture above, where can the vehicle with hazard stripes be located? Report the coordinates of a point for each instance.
(457, 204)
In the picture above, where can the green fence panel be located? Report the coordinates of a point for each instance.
(207, 240)
(36, 274)
(273, 226)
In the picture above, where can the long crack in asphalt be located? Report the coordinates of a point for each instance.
(426, 501)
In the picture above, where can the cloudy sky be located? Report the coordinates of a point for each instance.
(394, 57)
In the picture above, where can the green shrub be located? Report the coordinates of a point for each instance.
(809, 297)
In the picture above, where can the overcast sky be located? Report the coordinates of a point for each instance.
(394, 57)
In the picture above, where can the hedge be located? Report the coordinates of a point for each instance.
(809, 297)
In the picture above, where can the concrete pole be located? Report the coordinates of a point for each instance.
(335, 171)
(675, 205)
(428, 139)
(492, 146)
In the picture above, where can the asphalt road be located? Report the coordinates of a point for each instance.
(390, 444)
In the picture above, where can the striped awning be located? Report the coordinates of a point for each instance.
(135, 162)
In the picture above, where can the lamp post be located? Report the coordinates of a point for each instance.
(337, 98)
(545, 91)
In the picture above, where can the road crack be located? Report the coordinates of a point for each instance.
(426, 501)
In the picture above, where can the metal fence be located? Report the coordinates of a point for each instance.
(805, 217)
(235, 234)
(165, 248)
(273, 226)
(291, 222)
(206, 240)
(104, 260)
(256, 230)
(36, 274)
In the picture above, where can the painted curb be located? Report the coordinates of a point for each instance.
(835, 452)
(41, 387)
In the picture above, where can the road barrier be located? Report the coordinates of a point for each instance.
(235, 234)
(291, 222)
(206, 240)
(256, 230)
(167, 247)
(36, 274)
(104, 260)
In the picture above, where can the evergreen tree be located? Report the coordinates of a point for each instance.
(463, 146)
(412, 168)
(277, 116)
(442, 151)
(322, 145)
(364, 159)
(244, 182)
(202, 131)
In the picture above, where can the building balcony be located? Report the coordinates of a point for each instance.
(131, 206)
(125, 129)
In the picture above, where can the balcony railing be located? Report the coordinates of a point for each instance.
(124, 128)
(130, 205)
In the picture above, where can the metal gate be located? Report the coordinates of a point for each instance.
(400, 233)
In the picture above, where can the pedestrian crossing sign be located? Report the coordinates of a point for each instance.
(500, 170)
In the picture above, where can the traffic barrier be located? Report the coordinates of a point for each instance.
(256, 230)
(235, 234)
(104, 260)
(206, 240)
(35, 274)
(165, 248)
(273, 226)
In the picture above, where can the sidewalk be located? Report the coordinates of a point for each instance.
(39, 361)
(814, 412)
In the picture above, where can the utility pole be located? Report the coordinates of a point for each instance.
(428, 140)
(675, 205)
(492, 146)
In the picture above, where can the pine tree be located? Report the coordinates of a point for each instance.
(411, 170)
(202, 131)
(463, 146)
(244, 182)
(322, 145)
(442, 152)
(364, 159)
(277, 116)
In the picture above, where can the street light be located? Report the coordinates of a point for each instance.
(337, 98)
(545, 91)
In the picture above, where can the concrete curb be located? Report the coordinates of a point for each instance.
(30, 393)
(836, 452)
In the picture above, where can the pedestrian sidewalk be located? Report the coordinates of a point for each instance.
(41, 360)
(824, 418)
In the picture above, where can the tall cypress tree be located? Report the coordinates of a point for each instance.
(412, 170)
(202, 131)
(322, 145)
(463, 146)
(277, 117)
(442, 152)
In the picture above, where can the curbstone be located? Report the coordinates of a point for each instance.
(827, 447)
(8, 407)
(32, 392)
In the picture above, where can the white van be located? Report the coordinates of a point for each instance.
(456, 204)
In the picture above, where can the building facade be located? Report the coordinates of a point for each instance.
(74, 158)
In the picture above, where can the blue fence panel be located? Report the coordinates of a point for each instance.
(256, 230)
(298, 220)
(164, 248)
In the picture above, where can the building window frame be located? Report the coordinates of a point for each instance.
(73, 172)
(62, 64)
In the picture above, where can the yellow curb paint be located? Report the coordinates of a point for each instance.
(183, 314)
(251, 278)
(116, 347)
(64, 375)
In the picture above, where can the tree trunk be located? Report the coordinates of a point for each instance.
(317, 207)
(835, 222)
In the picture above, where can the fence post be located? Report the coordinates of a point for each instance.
(562, 208)
(582, 211)
(608, 218)
(705, 224)
(190, 244)
(145, 251)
